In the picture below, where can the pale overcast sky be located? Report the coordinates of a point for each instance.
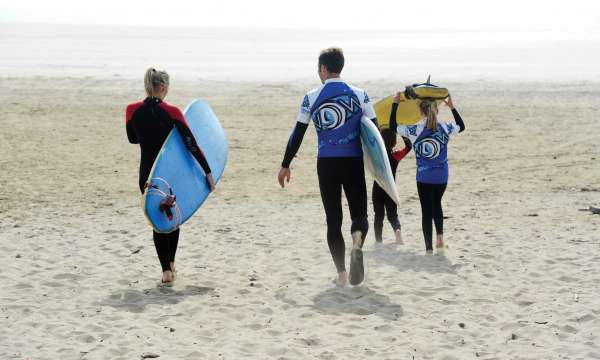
(577, 16)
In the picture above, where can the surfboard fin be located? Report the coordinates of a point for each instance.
(428, 79)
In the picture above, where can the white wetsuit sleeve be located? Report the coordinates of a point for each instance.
(368, 110)
(450, 128)
(410, 132)
(304, 112)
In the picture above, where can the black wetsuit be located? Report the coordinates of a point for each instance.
(382, 203)
(335, 174)
(148, 123)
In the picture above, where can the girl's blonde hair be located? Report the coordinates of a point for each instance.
(153, 80)
(429, 110)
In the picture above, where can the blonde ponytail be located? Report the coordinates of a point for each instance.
(153, 80)
(429, 110)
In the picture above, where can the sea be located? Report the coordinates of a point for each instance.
(243, 54)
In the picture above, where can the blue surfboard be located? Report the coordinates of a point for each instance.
(376, 159)
(177, 184)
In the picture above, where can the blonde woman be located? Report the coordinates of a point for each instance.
(148, 123)
(430, 142)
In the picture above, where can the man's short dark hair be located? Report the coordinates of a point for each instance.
(333, 59)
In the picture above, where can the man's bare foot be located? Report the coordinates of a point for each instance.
(429, 252)
(342, 279)
(357, 269)
(356, 240)
(398, 234)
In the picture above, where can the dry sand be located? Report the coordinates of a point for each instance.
(79, 270)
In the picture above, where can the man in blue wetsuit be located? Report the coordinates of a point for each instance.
(335, 109)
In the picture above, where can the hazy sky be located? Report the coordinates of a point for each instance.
(576, 16)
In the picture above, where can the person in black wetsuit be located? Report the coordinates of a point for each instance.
(148, 123)
(382, 202)
(430, 139)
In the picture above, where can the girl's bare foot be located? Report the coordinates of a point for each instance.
(398, 234)
(440, 241)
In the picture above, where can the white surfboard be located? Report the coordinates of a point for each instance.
(376, 159)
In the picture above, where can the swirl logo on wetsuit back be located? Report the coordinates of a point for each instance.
(430, 146)
(427, 148)
(333, 112)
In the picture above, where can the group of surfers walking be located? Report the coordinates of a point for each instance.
(335, 108)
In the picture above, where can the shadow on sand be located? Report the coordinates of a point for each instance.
(405, 260)
(135, 301)
(358, 300)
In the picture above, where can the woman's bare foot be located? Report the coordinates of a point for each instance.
(167, 278)
(173, 270)
(398, 234)
(440, 242)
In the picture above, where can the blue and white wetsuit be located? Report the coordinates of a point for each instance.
(335, 109)
(431, 151)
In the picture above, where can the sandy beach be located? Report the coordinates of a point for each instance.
(519, 279)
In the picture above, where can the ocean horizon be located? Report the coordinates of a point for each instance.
(237, 54)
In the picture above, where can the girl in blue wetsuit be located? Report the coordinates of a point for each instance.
(430, 142)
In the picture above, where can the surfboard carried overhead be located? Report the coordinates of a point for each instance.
(408, 112)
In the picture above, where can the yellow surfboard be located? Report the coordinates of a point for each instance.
(408, 110)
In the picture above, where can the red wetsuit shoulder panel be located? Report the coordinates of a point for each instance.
(173, 112)
(131, 108)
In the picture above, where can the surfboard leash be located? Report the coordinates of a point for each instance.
(168, 202)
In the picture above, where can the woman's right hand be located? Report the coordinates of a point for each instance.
(211, 182)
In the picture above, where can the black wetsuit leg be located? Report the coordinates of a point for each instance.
(166, 247)
(379, 210)
(165, 244)
(391, 210)
(330, 184)
(355, 189)
(163, 249)
(426, 213)
(349, 174)
(173, 242)
(438, 213)
(430, 196)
